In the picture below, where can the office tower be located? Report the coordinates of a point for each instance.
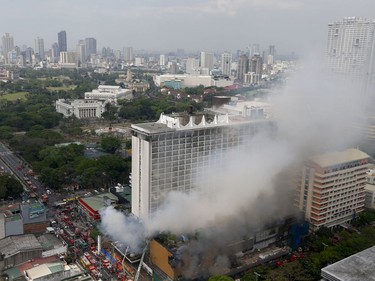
(180, 53)
(128, 54)
(192, 66)
(61, 41)
(177, 152)
(256, 65)
(351, 50)
(243, 67)
(39, 48)
(81, 51)
(68, 57)
(226, 63)
(173, 68)
(207, 61)
(55, 52)
(254, 49)
(330, 190)
(272, 50)
(29, 55)
(90, 44)
(162, 60)
(7, 44)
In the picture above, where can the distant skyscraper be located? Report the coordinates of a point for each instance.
(81, 51)
(192, 66)
(351, 49)
(254, 49)
(226, 63)
(272, 50)
(207, 60)
(61, 40)
(128, 54)
(7, 44)
(39, 48)
(243, 67)
(256, 65)
(90, 46)
(162, 60)
(55, 53)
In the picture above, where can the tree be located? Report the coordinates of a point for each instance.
(110, 144)
(220, 278)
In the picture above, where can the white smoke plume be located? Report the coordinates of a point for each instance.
(315, 113)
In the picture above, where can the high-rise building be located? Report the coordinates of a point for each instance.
(256, 65)
(90, 44)
(162, 60)
(81, 51)
(331, 189)
(7, 44)
(254, 49)
(175, 153)
(243, 67)
(55, 52)
(351, 49)
(226, 63)
(61, 41)
(39, 48)
(207, 61)
(192, 66)
(128, 54)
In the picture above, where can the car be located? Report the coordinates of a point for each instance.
(87, 255)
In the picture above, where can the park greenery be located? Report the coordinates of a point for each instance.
(30, 125)
(9, 186)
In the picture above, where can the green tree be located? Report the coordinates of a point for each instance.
(110, 144)
(220, 278)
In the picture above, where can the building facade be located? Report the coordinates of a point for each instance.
(109, 93)
(90, 44)
(226, 63)
(175, 152)
(128, 54)
(81, 108)
(331, 189)
(61, 41)
(351, 49)
(7, 44)
(39, 48)
(243, 67)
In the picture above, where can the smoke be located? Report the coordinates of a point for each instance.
(315, 112)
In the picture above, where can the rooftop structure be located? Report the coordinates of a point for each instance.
(186, 80)
(174, 152)
(357, 267)
(93, 204)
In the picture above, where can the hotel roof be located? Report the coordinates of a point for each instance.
(334, 158)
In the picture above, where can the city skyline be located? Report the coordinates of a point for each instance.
(293, 26)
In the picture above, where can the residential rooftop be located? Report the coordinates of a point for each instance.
(14, 244)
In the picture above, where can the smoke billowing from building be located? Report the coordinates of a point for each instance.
(314, 112)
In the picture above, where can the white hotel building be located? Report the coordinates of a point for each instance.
(174, 153)
(331, 189)
(109, 93)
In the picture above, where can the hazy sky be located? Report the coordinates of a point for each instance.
(165, 25)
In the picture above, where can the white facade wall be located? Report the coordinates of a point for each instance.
(110, 93)
(191, 80)
(80, 108)
(176, 157)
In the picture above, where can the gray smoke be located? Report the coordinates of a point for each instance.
(315, 113)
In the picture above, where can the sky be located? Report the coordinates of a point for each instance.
(298, 26)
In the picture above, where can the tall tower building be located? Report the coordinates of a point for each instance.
(256, 65)
(90, 44)
(55, 52)
(7, 44)
(81, 51)
(243, 67)
(226, 63)
(39, 48)
(162, 60)
(177, 152)
(331, 190)
(61, 41)
(128, 54)
(192, 66)
(207, 60)
(351, 49)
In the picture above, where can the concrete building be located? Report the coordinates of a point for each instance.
(19, 249)
(91, 206)
(91, 47)
(256, 65)
(192, 66)
(175, 152)
(7, 44)
(128, 54)
(52, 271)
(331, 189)
(109, 93)
(186, 80)
(351, 49)
(81, 51)
(163, 60)
(251, 78)
(359, 266)
(81, 108)
(61, 41)
(243, 67)
(68, 59)
(370, 190)
(207, 61)
(39, 48)
(226, 63)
